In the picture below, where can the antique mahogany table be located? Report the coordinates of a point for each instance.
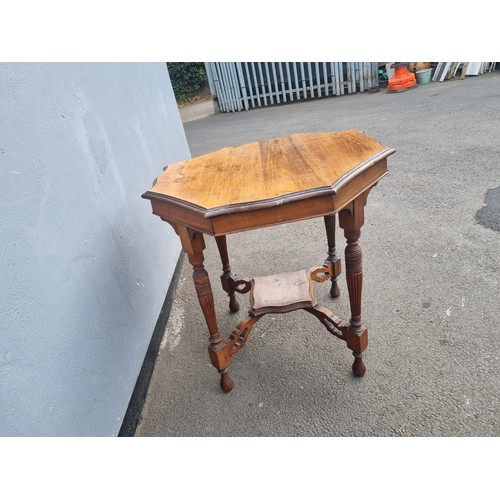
(264, 184)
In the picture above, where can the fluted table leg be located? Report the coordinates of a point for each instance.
(194, 244)
(351, 218)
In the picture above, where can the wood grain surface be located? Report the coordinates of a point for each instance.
(267, 170)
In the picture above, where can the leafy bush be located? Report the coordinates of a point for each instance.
(187, 78)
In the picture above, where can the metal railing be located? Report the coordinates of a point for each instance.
(238, 86)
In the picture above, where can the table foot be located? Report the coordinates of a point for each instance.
(234, 305)
(358, 367)
(334, 290)
(226, 382)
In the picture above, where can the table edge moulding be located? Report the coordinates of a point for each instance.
(267, 183)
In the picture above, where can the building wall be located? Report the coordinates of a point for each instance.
(84, 265)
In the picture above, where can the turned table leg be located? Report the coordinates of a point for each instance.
(332, 255)
(194, 244)
(234, 305)
(351, 219)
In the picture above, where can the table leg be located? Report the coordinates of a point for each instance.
(351, 218)
(332, 255)
(234, 305)
(193, 244)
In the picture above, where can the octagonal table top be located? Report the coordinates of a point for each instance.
(268, 169)
(264, 174)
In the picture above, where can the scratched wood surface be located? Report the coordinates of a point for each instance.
(267, 169)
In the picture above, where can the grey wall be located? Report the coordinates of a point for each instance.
(84, 265)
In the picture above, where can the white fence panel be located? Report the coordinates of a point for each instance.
(238, 86)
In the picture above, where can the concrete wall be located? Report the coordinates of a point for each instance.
(84, 265)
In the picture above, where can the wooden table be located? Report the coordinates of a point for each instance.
(265, 184)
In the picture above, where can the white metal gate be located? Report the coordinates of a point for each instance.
(238, 86)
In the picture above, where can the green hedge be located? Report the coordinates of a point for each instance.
(187, 78)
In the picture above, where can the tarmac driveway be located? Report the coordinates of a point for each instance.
(431, 244)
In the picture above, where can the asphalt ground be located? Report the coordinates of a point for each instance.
(431, 255)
